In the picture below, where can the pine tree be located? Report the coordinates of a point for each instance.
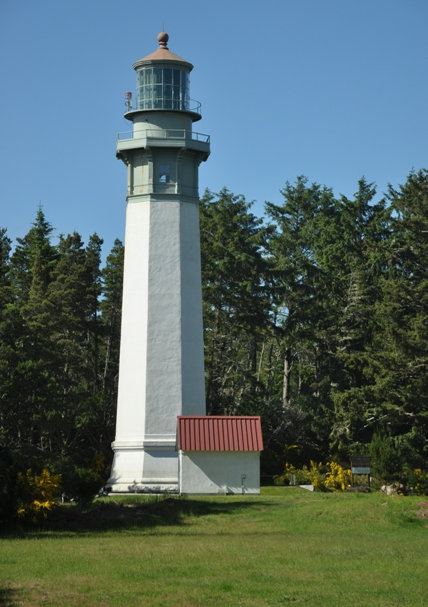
(28, 385)
(66, 309)
(111, 308)
(401, 382)
(7, 337)
(33, 254)
(236, 302)
(301, 310)
(93, 288)
(364, 230)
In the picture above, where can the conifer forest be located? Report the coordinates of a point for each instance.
(315, 318)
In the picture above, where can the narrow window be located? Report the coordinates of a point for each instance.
(164, 173)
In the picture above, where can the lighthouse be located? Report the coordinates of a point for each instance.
(161, 369)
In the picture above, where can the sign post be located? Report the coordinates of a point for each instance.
(360, 465)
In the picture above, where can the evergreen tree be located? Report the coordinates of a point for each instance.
(34, 254)
(67, 320)
(111, 309)
(5, 248)
(7, 341)
(236, 302)
(364, 231)
(28, 386)
(93, 287)
(401, 383)
(302, 311)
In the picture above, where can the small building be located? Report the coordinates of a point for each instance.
(219, 454)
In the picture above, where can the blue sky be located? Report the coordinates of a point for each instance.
(331, 89)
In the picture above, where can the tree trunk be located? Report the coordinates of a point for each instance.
(286, 379)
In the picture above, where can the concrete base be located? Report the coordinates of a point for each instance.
(143, 469)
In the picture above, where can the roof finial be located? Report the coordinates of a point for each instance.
(163, 39)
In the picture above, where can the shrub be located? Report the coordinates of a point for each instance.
(386, 461)
(418, 479)
(293, 476)
(37, 494)
(337, 478)
(312, 475)
(8, 476)
(82, 484)
(331, 477)
(317, 475)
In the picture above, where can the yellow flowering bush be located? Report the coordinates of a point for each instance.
(316, 475)
(337, 478)
(308, 475)
(37, 494)
(420, 478)
(292, 476)
(331, 477)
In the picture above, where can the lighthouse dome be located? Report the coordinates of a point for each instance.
(162, 53)
(163, 79)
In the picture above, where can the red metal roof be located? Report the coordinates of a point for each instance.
(219, 433)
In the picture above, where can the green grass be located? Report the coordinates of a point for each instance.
(284, 547)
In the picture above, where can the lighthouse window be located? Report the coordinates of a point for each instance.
(157, 75)
(164, 173)
(162, 88)
(158, 96)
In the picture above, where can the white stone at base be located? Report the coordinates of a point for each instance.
(143, 487)
(148, 469)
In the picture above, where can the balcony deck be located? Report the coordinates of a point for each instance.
(169, 138)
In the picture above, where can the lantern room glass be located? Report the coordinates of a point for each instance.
(163, 88)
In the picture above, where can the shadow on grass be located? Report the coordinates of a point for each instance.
(104, 516)
(9, 597)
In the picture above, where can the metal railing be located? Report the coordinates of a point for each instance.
(181, 134)
(165, 103)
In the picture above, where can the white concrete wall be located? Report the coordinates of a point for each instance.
(130, 417)
(161, 359)
(219, 472)
(161, 371)
(192, 342)
(156, 120)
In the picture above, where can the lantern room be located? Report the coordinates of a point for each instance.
(163, 81)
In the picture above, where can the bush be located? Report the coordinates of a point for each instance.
(25, 496)
(82, 484)
(317, 475)
(293, 476)
(8, 478)
(331, 477)
(37, 493)
(386, 461)
(337, 478)
(418, 481)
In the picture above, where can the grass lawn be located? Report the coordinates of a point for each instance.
(286, 546)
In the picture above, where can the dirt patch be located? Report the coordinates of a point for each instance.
(423, 510)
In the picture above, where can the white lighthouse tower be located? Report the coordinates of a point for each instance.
(161, 373)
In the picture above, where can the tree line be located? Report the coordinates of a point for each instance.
(314, 318)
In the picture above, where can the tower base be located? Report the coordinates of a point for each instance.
(144, 467)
